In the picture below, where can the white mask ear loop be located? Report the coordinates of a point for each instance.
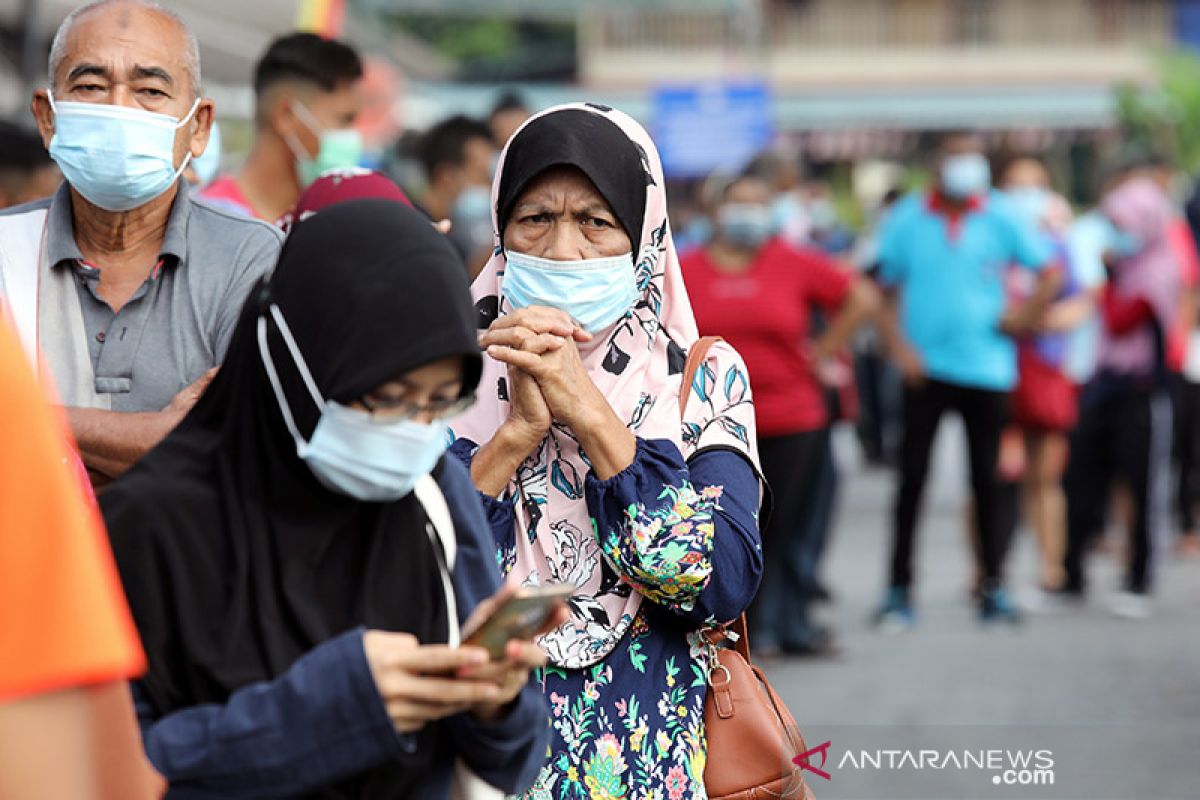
(306, 116)
(187, 159)
(273, 376)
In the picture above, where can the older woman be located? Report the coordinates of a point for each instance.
(298, 554)
(590, 472)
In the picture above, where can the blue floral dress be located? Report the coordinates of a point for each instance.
(631, 727)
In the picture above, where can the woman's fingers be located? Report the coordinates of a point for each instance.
(403, 685)
(522, 338)
(433, 658)
(524, 655)
(531, 363)
(538, 318)
(543, 319)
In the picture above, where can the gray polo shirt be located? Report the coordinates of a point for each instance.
(178, 323)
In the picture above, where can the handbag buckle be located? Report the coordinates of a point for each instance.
(717, 668)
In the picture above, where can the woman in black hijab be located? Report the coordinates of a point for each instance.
(296, 575)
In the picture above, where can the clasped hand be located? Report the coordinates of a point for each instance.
(547, 379)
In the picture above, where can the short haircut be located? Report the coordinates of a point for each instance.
(946, 137)
(307, 58)
(191, 56)
(745, 176)
(446, 142)
(509, 100)
(1021, 158)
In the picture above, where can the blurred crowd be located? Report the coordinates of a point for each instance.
(317, 453)
(1063, 338)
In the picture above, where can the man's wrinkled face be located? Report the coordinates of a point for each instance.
(132, 56)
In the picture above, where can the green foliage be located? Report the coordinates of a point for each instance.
(1165, 118)
(465, 38)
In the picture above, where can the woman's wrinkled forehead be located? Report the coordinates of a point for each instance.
(567, 181)
(591, 143)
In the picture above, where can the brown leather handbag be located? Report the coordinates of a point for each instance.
(752, 737)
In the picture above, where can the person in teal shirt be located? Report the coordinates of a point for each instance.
(943, 256)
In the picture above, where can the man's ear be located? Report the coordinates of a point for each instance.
(202, 124)
(43, 114)
(279, 115)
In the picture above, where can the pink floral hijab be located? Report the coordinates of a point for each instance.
(637, 363)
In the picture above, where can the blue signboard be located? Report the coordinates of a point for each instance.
(705, 127)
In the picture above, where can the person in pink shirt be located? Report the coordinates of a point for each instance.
(306, 102)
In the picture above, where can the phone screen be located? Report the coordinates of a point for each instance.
(521, 616)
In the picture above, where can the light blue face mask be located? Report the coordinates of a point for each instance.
(596, 292)
(965, 175)
(746, 224)
(1030, 203)
(208, 162)
(473, 206)
(349, 452)
(785, 209)
(117, 157)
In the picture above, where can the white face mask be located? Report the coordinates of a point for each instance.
(965, 175)
(117, 157)
(596, 292)
(349, 452)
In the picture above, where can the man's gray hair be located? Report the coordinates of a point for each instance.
(191, 56)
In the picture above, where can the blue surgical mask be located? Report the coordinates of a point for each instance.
(822, 214)
(746, 224)
(965, 175)
(349, 452)
(117, 157)
(208, 162)
(473, 206)
(785, 208)
(1030, 203)
(596, 292)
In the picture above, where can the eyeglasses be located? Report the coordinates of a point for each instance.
(402, 410)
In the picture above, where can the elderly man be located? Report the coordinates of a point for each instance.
(128, 287)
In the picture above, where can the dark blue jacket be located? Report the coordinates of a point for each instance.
(323, 720)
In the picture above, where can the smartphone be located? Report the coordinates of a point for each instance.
(521, 616)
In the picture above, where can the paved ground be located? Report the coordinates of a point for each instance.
(1116, 703)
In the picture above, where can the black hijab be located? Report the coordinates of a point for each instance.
(589, 142)
(236, 561)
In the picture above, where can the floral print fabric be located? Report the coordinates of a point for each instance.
(632, 725)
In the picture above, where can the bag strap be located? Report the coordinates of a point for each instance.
(695, 358)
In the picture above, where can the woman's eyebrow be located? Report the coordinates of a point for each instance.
(595, 209)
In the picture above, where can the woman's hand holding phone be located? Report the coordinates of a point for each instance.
(418, 683)
(511, 672)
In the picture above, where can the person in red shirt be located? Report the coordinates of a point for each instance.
(67, 641)
(755, 290)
